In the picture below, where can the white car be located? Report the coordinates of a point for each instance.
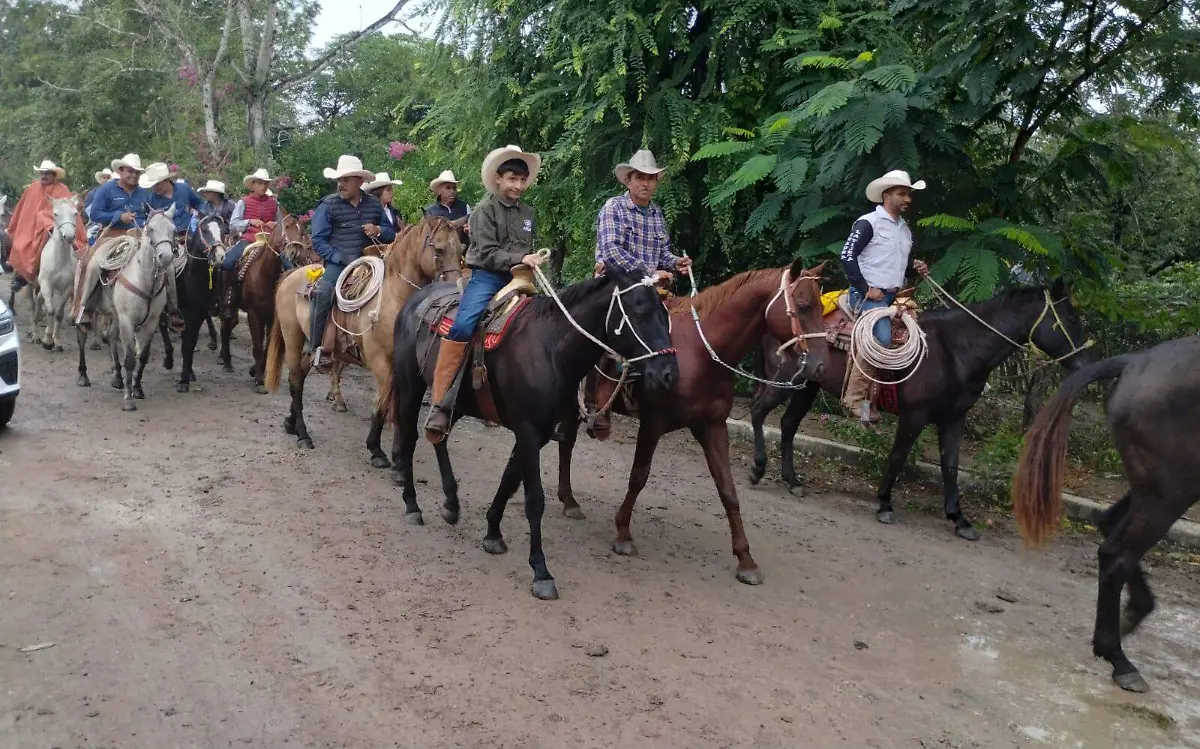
(10, 363)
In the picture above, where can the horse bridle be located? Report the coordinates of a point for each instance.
(799, 340)
(427, 244)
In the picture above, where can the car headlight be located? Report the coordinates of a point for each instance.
(7, 324)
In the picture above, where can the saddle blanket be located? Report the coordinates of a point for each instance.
(495, 325)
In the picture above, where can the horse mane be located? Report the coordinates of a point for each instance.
(542, 306)
(401, 244)
(1004, 298)
(714, 296)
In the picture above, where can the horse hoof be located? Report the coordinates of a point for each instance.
(755, 476)
(545, 590)
(575, 512)
(252, 368)
(378, 461)
(397, 477)
(128, 405)
(83, 381)
(624, 548)
(414, 518)
(887, 517)
(1131, 682)
(226, 367)
(797, 490)
(58, 348)
(450, 516)
(95, 346)
(136, 391)
(289, 426)
(168, 364)
(750, 577)
(212, 345)
(261, 389)
(117, 383)
(181, 387)
(48, 345)
(495, 546)
(329, 396)
(339, 407)
(306, 443)
(967, 533)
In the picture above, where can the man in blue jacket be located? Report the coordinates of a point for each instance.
(165, 191)
(119, 206)
(342, 226)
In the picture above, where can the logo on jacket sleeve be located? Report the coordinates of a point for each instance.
(528, 227)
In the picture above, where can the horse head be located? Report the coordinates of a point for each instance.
(444, 261)
(638, 326)
(296, 244)
(65, 213)
(798, 320)
(207, 242)
(159, 236)
(1059, 331)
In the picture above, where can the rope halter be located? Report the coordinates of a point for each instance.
(799, 339)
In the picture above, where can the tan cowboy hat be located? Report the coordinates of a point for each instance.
(258, 174)
(894, 178)
(446, 176)
(155, 173)
(49, 166)
(131, 160)
(105, 172)
(383, 179)
(213, 186)
(349, 166)
(501, 155)
(642, 161)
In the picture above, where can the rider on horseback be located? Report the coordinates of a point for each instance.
(448, 204)
(343, 225)
(251, 215)
(631, 232)
(501, 231)
(33, 220)
(875, 258)
(216, 202)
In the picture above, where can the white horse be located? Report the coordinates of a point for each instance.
(56, 273)
(134, 299)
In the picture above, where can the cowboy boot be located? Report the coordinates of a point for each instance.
(601, 426)
(857, 396)
(451, 355)
(319, 309)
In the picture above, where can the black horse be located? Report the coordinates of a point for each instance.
(1152, 414)
(962, 353)
(533, 375)
(195, 294)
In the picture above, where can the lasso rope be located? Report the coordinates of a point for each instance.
(361, 293)
(117, 253)
(864, 347)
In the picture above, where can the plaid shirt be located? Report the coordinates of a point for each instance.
(633, 237)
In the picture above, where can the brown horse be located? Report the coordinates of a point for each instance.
(734, 316)
(428, 251)
(255, 294)
(1152, 414)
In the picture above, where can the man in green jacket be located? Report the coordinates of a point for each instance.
(501, 230)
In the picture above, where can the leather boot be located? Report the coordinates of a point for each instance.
(319, 309)
(857, 397)
(441, 404)
(601, 427)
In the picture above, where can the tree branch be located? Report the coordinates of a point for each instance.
(324, 60)
(56, 87)
(104, 25)
(223, 45)
(266, 47)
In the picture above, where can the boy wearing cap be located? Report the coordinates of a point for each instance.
(501, 231)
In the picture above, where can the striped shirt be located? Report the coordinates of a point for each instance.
(633, 237)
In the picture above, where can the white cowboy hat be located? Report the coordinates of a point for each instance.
(642, 161)
(501, 155)
(155, 173)
(894, 178)
(258, 174)
(49, 166)
(383, 179)
(131, 160)
(349, 166)
(214, 186)
(446, 176)
(105, 172)
(269, 193)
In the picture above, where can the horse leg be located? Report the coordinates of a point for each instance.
(378, 457)
(212, 331)
(59, 313)
(906, 436)
(45, 301)
(643, 456)
(227, 324)
(81, 336)
(114, 345)
(568, 430)
(143, 356)
(294, 423)
(450, 507)
(949, 440)
(1141, 600)
(164, 328)
(407, 397)
(259, 325)
(766, 400)
(130, 364)
(187, 343)
(493, 542)
(797, 409)
(528, 452)
(335, 387)
(714, 438)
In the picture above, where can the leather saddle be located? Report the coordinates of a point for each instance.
(440, 309)
(840, 322)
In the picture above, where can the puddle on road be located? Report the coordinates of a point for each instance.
(1056, 702)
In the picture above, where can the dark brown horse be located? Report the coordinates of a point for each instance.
(734, 317)
(256, 293)
(1152, 415)
(962, 353)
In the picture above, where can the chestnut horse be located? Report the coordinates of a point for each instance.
(428, 251)
(255, 294)
(734, 316)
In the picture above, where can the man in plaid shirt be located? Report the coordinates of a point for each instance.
(631, 233)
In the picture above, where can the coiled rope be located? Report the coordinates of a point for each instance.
(355, 293)
(864, 347)
(118, 253)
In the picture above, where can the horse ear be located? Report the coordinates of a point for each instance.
(459, 223)
(815, 271)
(797, 268)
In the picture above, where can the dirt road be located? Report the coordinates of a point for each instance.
(205, 584)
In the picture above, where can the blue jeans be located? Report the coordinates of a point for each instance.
(883, 328)
(480, 289)
(233, 255)
(328, 280)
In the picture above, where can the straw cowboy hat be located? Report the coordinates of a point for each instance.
(258, 174)
(642, 161)
(155, 173)
(105, 172)
(49, 166)
(501, 155)
(349, 166)
(383, 179)
(213, 186)
(894, 178)
(444, 177)
(131, 160)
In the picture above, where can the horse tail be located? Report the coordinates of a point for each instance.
(275, 351)
(1037, 485)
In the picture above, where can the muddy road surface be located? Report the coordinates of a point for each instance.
(206, 584)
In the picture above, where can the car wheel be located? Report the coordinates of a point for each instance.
(6, 411)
